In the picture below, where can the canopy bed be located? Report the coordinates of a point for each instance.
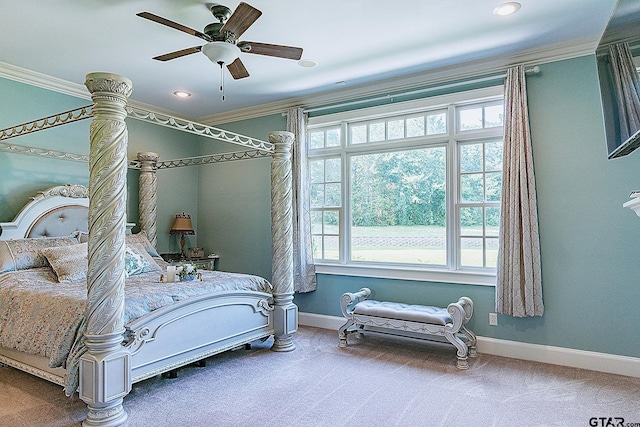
(117, 345)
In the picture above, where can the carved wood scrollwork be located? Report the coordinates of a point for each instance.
(75, 191)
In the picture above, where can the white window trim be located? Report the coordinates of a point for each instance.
(402, 273)
(413, 272)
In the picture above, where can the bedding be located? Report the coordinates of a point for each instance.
(68, 262)
(42, 316)
(20, 254)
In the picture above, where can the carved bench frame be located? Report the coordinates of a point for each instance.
(455, 332)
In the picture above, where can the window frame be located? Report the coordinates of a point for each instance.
(451, 140)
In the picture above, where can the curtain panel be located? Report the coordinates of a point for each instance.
(519, 277)
(627, 86)
(304, 270)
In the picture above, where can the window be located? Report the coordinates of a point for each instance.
(412, 189)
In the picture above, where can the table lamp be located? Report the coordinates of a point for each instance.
(182, 225)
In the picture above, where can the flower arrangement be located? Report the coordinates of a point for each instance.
(188, 272)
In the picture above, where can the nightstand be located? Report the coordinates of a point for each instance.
(200, 263)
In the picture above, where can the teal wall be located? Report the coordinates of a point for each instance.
(590, 244)
(21, 176)
(234, 201)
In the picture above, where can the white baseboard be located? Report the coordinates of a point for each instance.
(602, 362)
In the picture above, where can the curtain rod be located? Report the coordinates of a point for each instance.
(532, 70)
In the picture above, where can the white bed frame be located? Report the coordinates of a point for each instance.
(172, 336)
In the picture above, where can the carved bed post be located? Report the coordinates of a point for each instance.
(148, 195)
(105, 370)
(285, 311)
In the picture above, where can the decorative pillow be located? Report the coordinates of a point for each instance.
(137, 261)
(21, 254)
(82, 236)
(69, 262)
(142, 239)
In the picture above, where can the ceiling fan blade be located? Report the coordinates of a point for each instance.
(178, 53)
(287, 52)
(241, 19)
(237, 69)
(174, 25)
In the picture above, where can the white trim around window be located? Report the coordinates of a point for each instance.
(451, 270)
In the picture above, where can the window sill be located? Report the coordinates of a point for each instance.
(399, 273)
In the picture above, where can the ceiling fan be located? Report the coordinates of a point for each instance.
(223, 46)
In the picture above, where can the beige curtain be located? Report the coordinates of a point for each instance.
(627, 87)
(304, 271)
(519, 281)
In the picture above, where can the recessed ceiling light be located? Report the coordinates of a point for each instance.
(508, 8)
(181, 94)
(307, 63)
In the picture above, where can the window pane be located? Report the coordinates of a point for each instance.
(471, 188)
(396, 129)
(316, 140)
(332, 195)
(470, 118)
(398, 206)
(331, 248)
(436, 124)
(492, 224)
(471, 158)
(316, 170)
(493, 116)
(376, 132)
(471, 221)
(317, 195)
(492, 253)
(493, 155)
(358, 134)
(494, 186)
(331, 222)
(333, 173)
(316, 222)
(415, 126)
(316, 245)
(471, 253)
(333, 138)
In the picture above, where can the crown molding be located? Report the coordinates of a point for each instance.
(33, 78)
(547, 54)
(550, 53)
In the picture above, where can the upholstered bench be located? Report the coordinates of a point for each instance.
(414, 321)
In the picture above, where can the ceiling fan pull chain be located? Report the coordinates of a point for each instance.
(221, 79)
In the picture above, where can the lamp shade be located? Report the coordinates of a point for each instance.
(182, 225)
(221, 52)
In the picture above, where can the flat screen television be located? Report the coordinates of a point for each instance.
(623, 26)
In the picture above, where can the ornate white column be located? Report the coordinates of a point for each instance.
(105, 371)
(285, 311)
(148, 195)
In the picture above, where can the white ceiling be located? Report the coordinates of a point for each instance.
(357, 42)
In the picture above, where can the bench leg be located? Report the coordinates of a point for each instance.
(471, 341)
(462, 352)
(343, 331)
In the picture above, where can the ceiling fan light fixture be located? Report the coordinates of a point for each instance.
(508, 8)
(218, 52)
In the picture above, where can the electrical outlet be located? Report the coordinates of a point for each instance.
(493, 319)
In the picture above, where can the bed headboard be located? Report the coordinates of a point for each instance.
(56, 211)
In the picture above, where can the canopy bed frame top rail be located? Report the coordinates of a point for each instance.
(106, 367)
(138, 113)
(204, 160)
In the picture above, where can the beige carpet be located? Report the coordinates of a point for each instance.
(376, 381)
